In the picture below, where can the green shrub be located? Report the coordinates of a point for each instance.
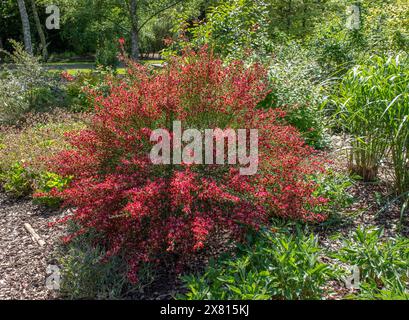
(383, 28)
(16, 180)
(334, 187)
(78, 97)
(295, 79)
(383, 264)
(373, 108)
(391, 291)
(87, 273)
(43, 99)
(232, 30)
(278, 265)
(47, 182)
(27, 87)
(336, 48)
(19, 181)
(386, 25)
(107, 54)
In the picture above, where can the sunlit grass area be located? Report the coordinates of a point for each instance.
(73, 68)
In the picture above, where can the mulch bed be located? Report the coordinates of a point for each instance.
(23, 263)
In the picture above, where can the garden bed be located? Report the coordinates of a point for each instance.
(23, 269)
(261, 159)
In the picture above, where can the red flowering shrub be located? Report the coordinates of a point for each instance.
(148, 210)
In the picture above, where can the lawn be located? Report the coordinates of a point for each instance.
(73, 68)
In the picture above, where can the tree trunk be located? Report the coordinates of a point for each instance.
(40, 31)
(304, 15)
(26, 26)
(289, 13)
(134, 31)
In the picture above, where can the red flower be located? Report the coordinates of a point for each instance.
(65, 75)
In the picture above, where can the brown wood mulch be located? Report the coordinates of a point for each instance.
(23, 263)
